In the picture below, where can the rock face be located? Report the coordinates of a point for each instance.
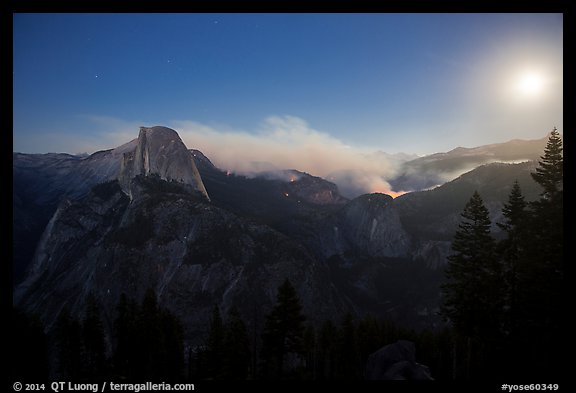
(153, 227)
(193, 254)
(40, 181)
(396, 361)
(308, 188)
(160, 151)
(138, 217)
(368, 224)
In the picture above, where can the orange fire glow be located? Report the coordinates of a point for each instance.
(396, 194)
(393, 194)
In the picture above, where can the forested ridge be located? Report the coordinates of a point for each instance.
(503, 306)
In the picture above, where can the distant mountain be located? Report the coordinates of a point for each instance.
(40, 181)
(154, 227)
(387, 255)
(435, 169)
(152, 213)
(432, 217)
(396, 157)
(170, 238)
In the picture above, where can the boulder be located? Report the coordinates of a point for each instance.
(396, 362)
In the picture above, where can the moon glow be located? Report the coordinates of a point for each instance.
(530, 84)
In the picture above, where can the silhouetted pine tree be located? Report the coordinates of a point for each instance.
(473, 293)
(512, 251)
(29, 356)
(173, 345)
(236, 348)
(94, 342)
(369, 336)
(550, 172)
(125, 331)
(283, 332)
(548, 217)
(542, 297)
(348, 358)
(150, 350)
(309, 353)
(69, 346)
(215, 345)
(326, 357)
(149, 341)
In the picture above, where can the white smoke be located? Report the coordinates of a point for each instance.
(290, 143)
(279, 143)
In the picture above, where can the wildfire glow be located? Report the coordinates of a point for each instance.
(393, 194)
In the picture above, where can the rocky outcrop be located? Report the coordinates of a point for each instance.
(369, 225)
(396, 361)
(160, 151)
(191, 252)
(42, 180)
(304, 187)
(147, 223)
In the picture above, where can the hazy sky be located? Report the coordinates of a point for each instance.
(252, 84)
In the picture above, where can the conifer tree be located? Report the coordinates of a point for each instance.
(94, 344)
(236, 354)
(348, 357)
(215, 345)
(369, 337)
(29, 355)
(309, 347)
(149, 340)
(512, 251)
(547, 226)
(125, 332)
(283, 331)
(473, 292)
(542, 299)
(326, 358)
(150, 350)
(173, 345)
(550, 172)
(68, 336)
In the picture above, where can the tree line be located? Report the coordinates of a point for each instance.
(505, 298)
(502, 300)
(146, 342)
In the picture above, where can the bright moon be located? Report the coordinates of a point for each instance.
(530, 83)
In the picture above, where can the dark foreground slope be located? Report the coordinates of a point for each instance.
(168, 238)
(200, 236)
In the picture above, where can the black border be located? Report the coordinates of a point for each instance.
(299, 6)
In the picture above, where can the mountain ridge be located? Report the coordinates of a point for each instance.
(346, 255)
(438, 168)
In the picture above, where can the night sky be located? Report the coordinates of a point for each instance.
(414, 83)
